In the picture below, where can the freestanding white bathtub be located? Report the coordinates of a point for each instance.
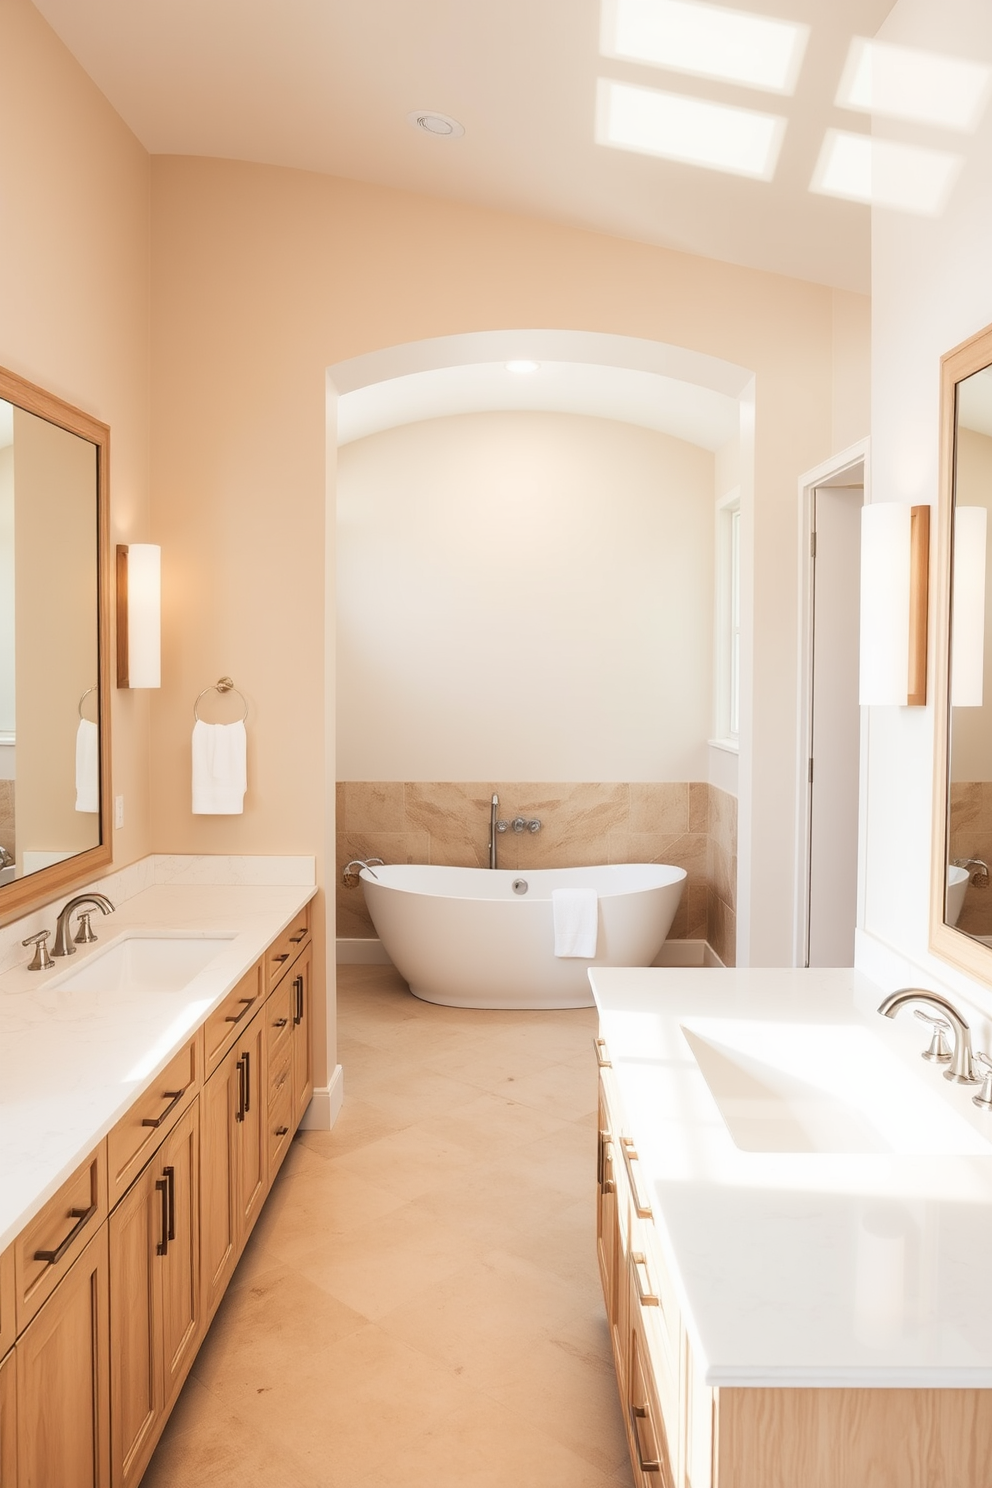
(466, 937)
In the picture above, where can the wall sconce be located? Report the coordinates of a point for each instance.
(895, 572)
(968, 607)
(139, 615)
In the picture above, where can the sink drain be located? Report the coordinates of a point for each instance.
(519, 886)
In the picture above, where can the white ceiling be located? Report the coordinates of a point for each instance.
(664, 404)
(326, 85)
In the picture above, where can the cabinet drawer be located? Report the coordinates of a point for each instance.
(152, 1117)
(278, 1019)
(234, 1013)
(8, 1319)
(48, 1245)
(280, 1112)
(284, 951)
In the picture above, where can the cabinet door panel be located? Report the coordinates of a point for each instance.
(63, 1381)
(8, 1421)
(219, 1105)
(302, 979)
(178, 1161)
(252, 1138)
(136, 1395)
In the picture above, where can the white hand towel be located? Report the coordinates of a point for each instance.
(220, 771)
(576, 913)
(87, 766)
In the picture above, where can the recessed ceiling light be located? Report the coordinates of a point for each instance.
(677, 127)
(442, 126)
(884, 173)
(706, 40)
(523, 369)
(904, 83)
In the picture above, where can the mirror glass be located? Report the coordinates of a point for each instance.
(49, 644)
(967, 891)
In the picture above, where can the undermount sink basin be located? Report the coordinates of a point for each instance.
(146, 963)
(796, 1087)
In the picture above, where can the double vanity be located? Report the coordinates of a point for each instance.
(794, 1235)
(150, 1086)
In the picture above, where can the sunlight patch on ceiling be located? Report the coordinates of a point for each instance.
(706, 40)
(666, 405)
(885, 173)
(897, 82)
(691, 130)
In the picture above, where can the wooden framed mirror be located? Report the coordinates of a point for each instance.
(961, 874)
(55, 587)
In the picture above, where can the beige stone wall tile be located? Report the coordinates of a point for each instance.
(699, 806)
(680, 924)
(456, 816)
(577, 821)
(721, 874)
(966, 802)
(353, 919)
(723, 931)
(723, 819)
(659, 807)
(697, 897)
(392, 847)
(372, 806)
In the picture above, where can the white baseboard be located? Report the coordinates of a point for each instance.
(325, 1104)
(710, 957)
(354, 952)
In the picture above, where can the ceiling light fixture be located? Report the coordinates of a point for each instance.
(884, 173)
(441, 126)
(899, 82)
(523, 369)
(691, 130)
(706, 40)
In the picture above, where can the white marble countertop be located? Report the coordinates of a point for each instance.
(812, 1268)
(71, 1062)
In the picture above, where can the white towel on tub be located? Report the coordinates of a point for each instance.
(576, 913)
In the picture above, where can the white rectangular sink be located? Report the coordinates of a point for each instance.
(146, 963)
(832, 1088)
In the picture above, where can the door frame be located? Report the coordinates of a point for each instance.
(829, 472)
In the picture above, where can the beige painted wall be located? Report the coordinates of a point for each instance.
(264, 277)
(74, 295)
(524, 596)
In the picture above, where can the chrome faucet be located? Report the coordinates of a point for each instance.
(63, 941)
(349, 876)
(980, 877)
(495, 825)
(962, 1068)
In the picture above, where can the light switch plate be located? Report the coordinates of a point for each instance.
(118, 811)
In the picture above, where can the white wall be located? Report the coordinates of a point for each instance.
(524, 596)
(932, 288)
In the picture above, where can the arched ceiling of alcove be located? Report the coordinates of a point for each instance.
(667, 405)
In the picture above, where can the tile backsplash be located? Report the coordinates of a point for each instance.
(688, 823)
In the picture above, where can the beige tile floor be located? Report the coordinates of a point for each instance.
(419, 1305)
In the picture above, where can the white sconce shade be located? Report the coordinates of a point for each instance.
(894, 578)
(968, 607)
(139, 615)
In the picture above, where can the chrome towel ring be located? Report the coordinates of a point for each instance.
(223, 684)
(83, 699)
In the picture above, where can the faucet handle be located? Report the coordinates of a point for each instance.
(84, 931)
(41, 960)
(938, 1052)
(984, 1096)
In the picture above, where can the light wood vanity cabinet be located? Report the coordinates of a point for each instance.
(63, 1380)
(108, 1313)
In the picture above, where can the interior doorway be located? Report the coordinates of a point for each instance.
(831, 732)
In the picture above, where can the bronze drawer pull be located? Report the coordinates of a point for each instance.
(247, 1059)
(239, 1114)
(281, 1131)
(602, 1054)
(236, 1017)
(639, 1263)
(638, 1413)
(162, 1248)
(283, 957)
(280, 1023)
(295, 939)
(83, 1216)
(298, 989)
(641, 1206)
(173, 1097)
